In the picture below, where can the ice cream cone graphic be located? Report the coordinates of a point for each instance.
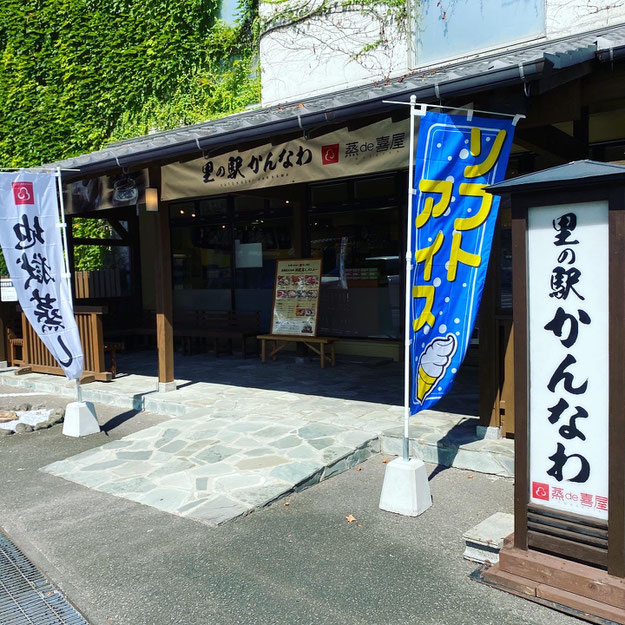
(433, 363)
(424, 384)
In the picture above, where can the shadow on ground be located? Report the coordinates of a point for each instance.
(362, 379)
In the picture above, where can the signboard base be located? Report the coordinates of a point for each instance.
(585, 591)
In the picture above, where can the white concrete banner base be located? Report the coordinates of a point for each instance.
(406, 489)
(80, 419)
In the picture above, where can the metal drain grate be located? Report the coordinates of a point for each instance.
(26, 597)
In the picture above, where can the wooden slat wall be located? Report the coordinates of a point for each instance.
(98, 283)
(38, 358)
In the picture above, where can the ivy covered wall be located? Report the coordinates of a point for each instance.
(78, 74)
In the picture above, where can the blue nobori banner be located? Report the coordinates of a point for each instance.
(452, 234)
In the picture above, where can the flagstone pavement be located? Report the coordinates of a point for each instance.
(232, 447)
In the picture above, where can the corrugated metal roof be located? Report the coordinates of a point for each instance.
(429, 84)
(579, 171)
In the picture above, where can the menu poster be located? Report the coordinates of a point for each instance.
(296, 296)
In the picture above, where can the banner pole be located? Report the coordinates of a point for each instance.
(407, 380)
(64, 235)
(68, 275)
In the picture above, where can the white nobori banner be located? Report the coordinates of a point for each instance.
(32, 246)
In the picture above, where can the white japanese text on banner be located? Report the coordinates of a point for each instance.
(451, 235)
(31, 243)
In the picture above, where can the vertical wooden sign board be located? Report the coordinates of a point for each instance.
(568, 546)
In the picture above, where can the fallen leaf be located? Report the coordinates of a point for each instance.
(350, 518)
(359, 525)
(385, 461)
(469, 477)
(287, 504)
(358, 469)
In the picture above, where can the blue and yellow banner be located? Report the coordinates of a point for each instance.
(452, 232)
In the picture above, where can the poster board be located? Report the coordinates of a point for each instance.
(296, 297)
(7, 290)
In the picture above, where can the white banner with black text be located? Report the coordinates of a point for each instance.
(32, 246)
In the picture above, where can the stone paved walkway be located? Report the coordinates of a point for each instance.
(213, 467)
(243, 434)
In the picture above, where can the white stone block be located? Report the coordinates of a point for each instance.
(488, 433)
(485, 540)
(166, 387)
(406, 489)
(80, 419)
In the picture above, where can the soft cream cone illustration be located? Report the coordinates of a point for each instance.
(435, 359)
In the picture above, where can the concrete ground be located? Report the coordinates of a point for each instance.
(123, 563)
(243, 434)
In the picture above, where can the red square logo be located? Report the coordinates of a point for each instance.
(330, 154)
(540, 491)
(23, 193)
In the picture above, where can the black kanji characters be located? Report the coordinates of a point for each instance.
(564, 226)
(37, 269)
(234, 167)
(207, 171)
(47, 314)
(28, 237)
(563, 281)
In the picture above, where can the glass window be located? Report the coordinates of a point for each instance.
(330, 193)
(101, 270)
(446, 29)
(261, 237)
(202, 257)
(375, 188)
(360, 287)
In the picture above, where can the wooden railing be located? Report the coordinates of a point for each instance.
(37, 359)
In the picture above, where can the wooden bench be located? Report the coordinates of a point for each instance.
(214, 325)
(15, 343)
(112, 349)
(315, 343)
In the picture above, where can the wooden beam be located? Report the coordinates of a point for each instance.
(119, 229)
(164, 303)
(616, 462)
(3, 333)
(551, 141)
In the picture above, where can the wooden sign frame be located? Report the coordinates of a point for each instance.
(528, 517)
(568, 561)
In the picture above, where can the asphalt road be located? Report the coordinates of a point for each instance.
(121, 563)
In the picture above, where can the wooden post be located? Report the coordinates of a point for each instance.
(616, 487)
(521, 450)
(164, 303)
(3, 335)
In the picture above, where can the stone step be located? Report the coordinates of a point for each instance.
(485, 540)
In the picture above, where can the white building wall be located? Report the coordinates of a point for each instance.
(321, 55)
(325, 54)
(567, 17)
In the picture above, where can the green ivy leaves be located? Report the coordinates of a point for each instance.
(78, 74)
